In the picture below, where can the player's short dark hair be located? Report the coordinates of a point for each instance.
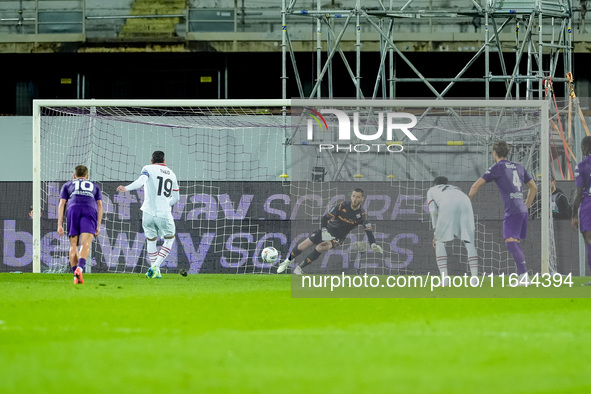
(586, 146)
(440, 180)
(30, 209)
(502, 148)
(359, 190)
(158, 157)
(81, 171)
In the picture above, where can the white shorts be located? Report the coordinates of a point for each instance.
(157, 227)
(455, 219)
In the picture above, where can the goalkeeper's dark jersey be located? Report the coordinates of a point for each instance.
(341, 219)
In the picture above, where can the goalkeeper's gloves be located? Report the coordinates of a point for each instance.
(376, 248)
(326, 235)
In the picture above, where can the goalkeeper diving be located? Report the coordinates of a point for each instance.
(335, 226)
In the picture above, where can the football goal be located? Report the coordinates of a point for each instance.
(258, 173)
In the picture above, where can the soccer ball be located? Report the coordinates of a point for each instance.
(270, 255)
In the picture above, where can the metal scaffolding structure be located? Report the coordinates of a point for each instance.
(537, 33)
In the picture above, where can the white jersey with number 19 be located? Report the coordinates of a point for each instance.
(158, 190)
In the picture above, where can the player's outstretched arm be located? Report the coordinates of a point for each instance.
(60, 216)
(141, 181)
(372, 239)
(474, 189)
(324, 219)
(332, 213)
(99, 215)
(323, 224)
(376, 248)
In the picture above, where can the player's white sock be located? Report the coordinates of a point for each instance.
(441, 255)
(164, 251)
(472, 258)
(152, 252)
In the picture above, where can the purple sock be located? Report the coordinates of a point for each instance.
(82, 263)
(74, 269)
(588, 255)
(515, 249)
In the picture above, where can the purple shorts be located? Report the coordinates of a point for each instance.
(585, 216)
(81, 219)
(515, 225)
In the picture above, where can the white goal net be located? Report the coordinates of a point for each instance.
(262, 173)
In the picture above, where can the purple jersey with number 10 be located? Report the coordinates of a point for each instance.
(81, 192)
(510, 179)
(81, 195)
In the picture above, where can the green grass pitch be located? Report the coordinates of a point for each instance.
(245, 334)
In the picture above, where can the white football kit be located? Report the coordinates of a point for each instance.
(161, 191)
(451, 213)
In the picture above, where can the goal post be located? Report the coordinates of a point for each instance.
(36, 187)
(152, 116)
(225, 151)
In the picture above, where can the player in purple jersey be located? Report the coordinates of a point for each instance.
(583, 199)
(510, 178)
(84, 215)
(336, 225)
